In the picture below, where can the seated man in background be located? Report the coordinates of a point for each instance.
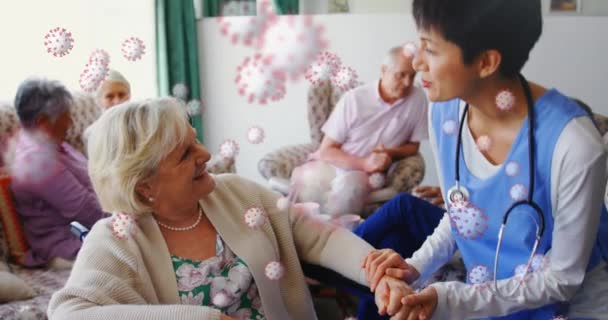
(113, 90)
(49, 177)
(370, 127)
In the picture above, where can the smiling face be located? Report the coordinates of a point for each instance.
(443, 73)
(181, 178)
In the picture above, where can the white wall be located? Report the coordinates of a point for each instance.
(570, 56)
(94, 24)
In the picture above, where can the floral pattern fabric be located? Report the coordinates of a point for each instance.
(223, 282)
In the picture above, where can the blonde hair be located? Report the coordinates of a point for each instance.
(126, 145)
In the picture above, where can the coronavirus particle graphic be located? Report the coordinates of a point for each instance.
(58, 42)
(133, 48)
(325, 66)
(258, 82)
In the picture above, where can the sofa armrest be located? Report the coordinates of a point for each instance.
(219, 164)
(406, 173)
(281, 162)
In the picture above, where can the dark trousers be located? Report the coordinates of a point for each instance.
(401, 224)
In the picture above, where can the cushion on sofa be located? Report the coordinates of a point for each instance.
(12, 288)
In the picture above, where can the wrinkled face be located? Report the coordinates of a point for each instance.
(182, 178)
(442, 71)
(397, 79)
(113, 93)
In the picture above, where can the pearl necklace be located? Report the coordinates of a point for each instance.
(200, 216)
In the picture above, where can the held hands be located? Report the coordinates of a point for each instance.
(398, 300)
(379, 263)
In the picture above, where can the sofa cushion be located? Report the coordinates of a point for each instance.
(12, 230)
(12, 288)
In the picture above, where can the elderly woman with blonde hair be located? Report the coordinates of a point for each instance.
(115, 89)
(183, 244)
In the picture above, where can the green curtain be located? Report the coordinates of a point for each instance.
(212, 8)
(287, 6)
(177, 51)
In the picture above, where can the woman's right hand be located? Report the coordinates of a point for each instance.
(387, 262)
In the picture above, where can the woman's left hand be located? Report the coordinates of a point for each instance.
(423, 304)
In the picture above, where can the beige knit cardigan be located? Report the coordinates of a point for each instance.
(134, 278)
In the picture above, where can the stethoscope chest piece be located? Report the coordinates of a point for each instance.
(457, 194)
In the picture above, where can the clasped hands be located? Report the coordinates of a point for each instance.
(389, 277)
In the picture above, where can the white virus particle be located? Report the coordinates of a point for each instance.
(345, 79)
(180, 91)
(410, 49)
(123, 225)
(282, 203)
(325, 66)
(512, 168)
(479, 275)
(246, 29)
(255, 217)
(58, 42)
(99, 56)
(505, 100)
(518, 192)
(449, 127)
(274, 270)
(238, 8)
(92, 76)
(484, 143)
(376, 180)
(133, 48)
(194, 107)
(258, 83)
(229, 149)
(255, 135)
(221, 299)
(291, 44)
(470, 222)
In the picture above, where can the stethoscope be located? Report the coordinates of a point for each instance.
(459, 193)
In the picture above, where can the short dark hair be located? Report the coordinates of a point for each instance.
(36, 97)
(510, 26)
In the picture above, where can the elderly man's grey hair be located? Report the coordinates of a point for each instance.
(37, 97)
(390, 60)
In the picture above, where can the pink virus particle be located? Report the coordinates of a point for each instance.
(229, 149)
(518, 192)
(325, 66)
(484, 143)
(410, 49)
(99, 56)
(291, 44)
(255, 217)
(133, 48)
(376, 180)
(194, 107)
(123, 225)
(479, 275)
(505, 100)
(258, 83)
(58, 42)
(246, 29)
(274, 270)
(92, 76)
(345, 79)
(469, 221)
(449, 127)
(255, 135)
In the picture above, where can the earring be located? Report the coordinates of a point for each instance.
(151, 199)
(505, 100)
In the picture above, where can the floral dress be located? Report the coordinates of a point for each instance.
(223, 282)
